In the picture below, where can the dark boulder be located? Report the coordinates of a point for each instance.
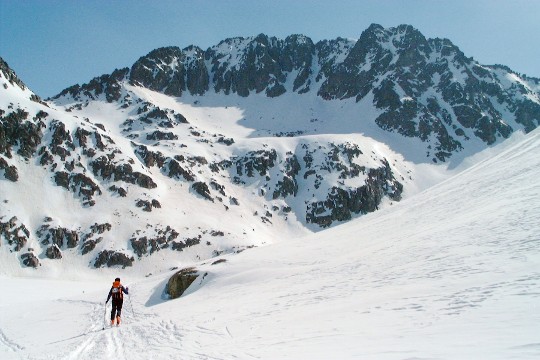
(100, 228)
(106, 169)
(226, 141)
(148, 205)
(139, 245)
(149, 244)
(144, 204)
(180, 282)
(150, 158)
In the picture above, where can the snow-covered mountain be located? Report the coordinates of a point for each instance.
(403, 82)
(190, 153)
(451, 273)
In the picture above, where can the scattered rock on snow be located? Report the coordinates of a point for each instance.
(53, 252)
(113, 258)
(30, 260)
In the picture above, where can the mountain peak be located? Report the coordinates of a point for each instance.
(262, 39)
(374, 28)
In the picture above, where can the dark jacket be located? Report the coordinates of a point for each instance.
(116, 292)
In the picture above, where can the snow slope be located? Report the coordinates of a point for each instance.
(450, 273)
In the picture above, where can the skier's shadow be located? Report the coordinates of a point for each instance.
(76, 336)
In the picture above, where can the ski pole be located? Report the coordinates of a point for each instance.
(104, 316)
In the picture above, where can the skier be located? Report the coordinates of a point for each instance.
(117, 293)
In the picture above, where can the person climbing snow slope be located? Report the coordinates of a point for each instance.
(117, 293)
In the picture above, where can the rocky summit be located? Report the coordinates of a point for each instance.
(190, 153)
(423, 88)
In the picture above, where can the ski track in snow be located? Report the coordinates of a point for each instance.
(9, 344)
(136, 338)
(131, 340)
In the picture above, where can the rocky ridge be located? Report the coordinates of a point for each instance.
(422, 88)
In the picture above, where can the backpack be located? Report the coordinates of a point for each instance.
(116, 291)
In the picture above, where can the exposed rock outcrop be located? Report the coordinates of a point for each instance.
(30, 260)
(341, 204)
(108, 170)
(147, 244)
(15, 233)
(10, 171)
(17, 130)
(9, 74)
(180, 282)
(53, 252)
(202, 189)
(112, 258)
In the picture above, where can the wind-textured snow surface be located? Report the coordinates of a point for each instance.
(450, 273)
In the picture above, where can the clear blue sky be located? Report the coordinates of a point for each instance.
(53, 44)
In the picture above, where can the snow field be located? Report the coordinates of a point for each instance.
(451, 273)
